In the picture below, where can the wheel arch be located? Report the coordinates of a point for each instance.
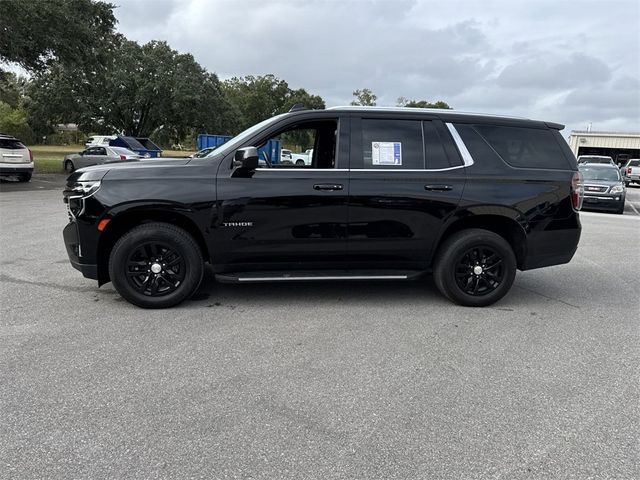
(504, 223)
(124, 222)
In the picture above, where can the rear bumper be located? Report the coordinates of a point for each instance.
(552, 246)
(74, 251)
(15, 168)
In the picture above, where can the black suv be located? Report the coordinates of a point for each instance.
(386, 194)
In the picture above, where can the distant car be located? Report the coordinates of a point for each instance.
(97, 156)
(631, 171)
(604, 188)
(99, 140)
(595, 159)
(15, 158)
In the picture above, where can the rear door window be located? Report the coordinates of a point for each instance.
(392, 144)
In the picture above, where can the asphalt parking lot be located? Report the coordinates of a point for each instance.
(336, 380)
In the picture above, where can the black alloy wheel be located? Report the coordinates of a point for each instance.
(155, 269)
(156, 265)
(479, 271)
(474, 267)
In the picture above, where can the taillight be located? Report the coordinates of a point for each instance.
(628, 170)
(577, 190)
(123, 157)
(31, 155)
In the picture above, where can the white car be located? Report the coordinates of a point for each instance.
(16, 160)
(99, 140)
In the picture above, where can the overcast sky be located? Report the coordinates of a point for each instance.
(572, 62)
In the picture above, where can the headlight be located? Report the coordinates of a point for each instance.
(75, 194)
(617, 189)
(84, 189)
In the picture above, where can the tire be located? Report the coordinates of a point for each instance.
(620, 211)
(25, 177)
(69, 167)
(494, 263)
(170, 250)
(300, 163)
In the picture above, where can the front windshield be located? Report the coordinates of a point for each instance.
(239, 139)
(595, 159)
(600, 174)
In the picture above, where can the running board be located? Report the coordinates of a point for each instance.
(304, 276)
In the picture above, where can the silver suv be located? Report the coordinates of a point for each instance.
(16, 160)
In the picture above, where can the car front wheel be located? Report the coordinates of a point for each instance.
(69, 167)
(475, 268)
(156, 265)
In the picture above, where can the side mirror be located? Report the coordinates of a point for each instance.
(246, 158)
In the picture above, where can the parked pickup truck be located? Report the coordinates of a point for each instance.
(631, 171)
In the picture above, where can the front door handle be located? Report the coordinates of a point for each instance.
(438, 188)
(327, 186)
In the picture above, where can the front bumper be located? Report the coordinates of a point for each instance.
(603, 202)
(15, 168)
(74, 251)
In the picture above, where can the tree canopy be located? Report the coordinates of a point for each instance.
(260, 97)
(404, 102)
(141, 90)
(36, 34)
(364, 97)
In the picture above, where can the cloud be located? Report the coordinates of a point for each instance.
(546, 71)
(539, 59)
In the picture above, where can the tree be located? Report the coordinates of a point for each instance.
(257, 98)
(404, 102)
(364, 97)
(140, 90)
(36, 34)
(13, 121)
(12, 88)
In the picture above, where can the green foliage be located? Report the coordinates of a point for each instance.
(12, 88)
(13, 121)
(36, 34)
(257, 98)
(364, 97)
(404, 102)
(141, 90)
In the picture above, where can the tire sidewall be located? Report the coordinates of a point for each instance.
(179, 240)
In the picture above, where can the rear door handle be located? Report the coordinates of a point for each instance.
(438, 188)
(327, 186)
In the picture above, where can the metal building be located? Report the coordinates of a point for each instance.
(619, 146)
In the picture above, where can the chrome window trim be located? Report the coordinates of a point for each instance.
(462, 148)
(400, 170)
(303, 169)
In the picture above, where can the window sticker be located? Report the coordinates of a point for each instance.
(386, 153)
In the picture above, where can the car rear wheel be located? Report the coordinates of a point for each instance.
(69, 167)
(156, 265)
(25, 177)
(300, 163)
(475, 268)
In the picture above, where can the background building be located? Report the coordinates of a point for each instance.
(619, 146)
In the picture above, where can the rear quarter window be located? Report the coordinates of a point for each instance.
(634, 163)
(10, 144)
(525, 147)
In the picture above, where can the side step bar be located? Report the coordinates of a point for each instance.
(253, 277)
